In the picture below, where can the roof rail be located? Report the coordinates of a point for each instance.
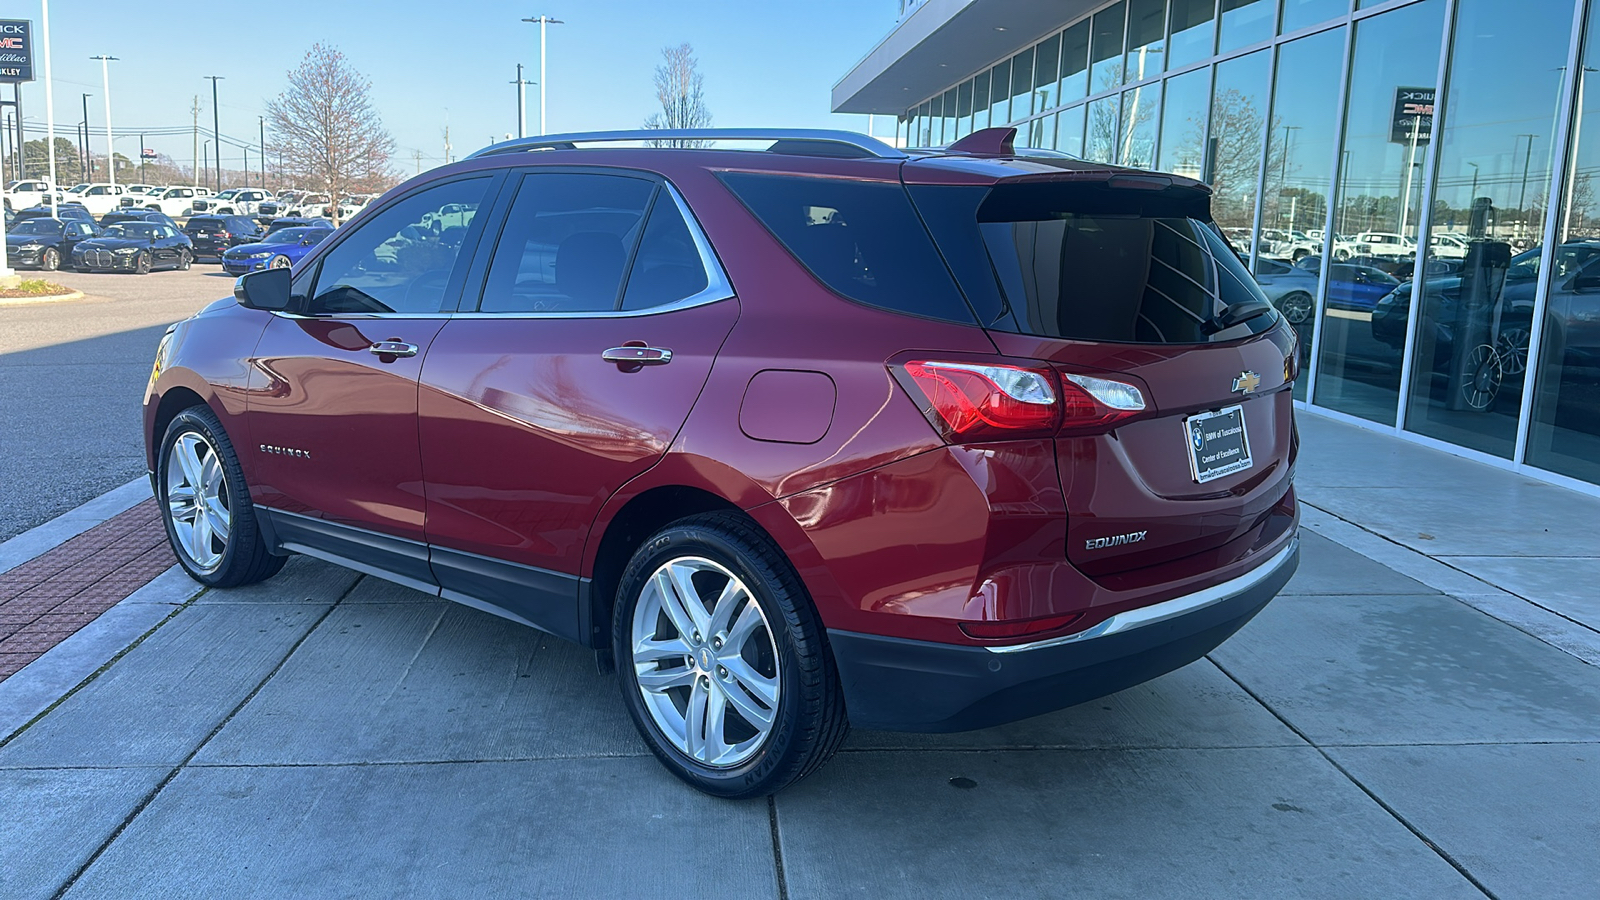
(794, 138)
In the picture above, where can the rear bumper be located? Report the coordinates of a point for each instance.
(904, 685)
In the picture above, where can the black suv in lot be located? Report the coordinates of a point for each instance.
(212, 235)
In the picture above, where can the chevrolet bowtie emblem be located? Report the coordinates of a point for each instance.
(1247, 382)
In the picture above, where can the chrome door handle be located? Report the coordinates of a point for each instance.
(393, 348)
(638, 356)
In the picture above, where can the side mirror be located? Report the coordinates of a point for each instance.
(267, 290)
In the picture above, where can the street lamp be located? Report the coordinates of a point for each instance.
(111, 155)
(542, 21)
(522, 102)
(88, 163)
(1522, 199)
(205, 159)
(49, 106)
(216, 131)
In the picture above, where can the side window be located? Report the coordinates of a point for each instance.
(667, 267)
(401, 260)
(565, 243)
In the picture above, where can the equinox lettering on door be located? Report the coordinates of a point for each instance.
(1115, 540)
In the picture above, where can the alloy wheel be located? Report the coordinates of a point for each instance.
(1297, 308)
(1484, 375)
(50, 260)
(705, 661)
(278, 262)
(1512, 346)
(197, 500)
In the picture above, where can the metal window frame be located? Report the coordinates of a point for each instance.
(1340, 131)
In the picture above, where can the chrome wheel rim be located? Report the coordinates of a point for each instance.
(705, 661)
(197, 501)
(279, 262)
(1513, 349)
(1297, 308)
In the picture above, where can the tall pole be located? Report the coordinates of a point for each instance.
(205, 159)
(87, 163)
(522, 103)
(49, 106)
(263, 121)
(542, 21)
(1522, 199)
(142, 176)
(111, 152)
(194, 159)
(216, 130)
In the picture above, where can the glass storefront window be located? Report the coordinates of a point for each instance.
(1361, 337)
(1046, 69)
(1021, 86)
(1298, 14)
(1000, 105)
(1246, 22)
(1488, 208)
(1141, 113)
(1192, 28)
(947, 122)
(1041, 133)
(1183, 124)
(1233, 165)
(1564, 432)
(1100, 133)
(1105, 57)
(1147, 38)
(980, 101)
(1074, 83)
(1069, 131)
(964, 109)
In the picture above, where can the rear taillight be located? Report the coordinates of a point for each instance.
(1091, 403)
(224, 235)
(975, 402)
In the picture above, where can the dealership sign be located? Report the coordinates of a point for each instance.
(16, 50)
(1413, 115)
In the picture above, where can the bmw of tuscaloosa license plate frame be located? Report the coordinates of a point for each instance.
(1218, 443)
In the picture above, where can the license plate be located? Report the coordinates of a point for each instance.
(1218, 444)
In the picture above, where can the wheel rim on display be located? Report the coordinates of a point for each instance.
(1513, 349)
(197, 501)
(705, 661)
(1484, 375)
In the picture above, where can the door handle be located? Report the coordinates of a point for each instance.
(638, 356)
(393, 347)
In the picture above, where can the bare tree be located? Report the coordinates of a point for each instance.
(680, 88)
(326, 129)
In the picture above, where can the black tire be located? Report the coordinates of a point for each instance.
(809, 722)
(245, 558)
(279, 262)
(184, 262)
(50, 259)
(141, 265)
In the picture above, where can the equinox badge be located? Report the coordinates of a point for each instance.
(1115, 540)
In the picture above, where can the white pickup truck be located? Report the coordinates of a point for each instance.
(28, 192)
(98, 198)
(232, 202)
(174, 201)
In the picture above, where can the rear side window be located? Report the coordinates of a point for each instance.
(667, 267)
(862, 239)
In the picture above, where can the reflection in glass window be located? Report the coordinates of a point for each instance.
(1000, 105)
(1074, 81)
(1069, 131)
(1046, 69)
(1564, 434)
(1105, 57)
(980, 101)
(1360, 343)
(1042, 133)
(1100, 137)
(1472, 347)
(1238, 115)
(963, 109)
(1299, 14)
(1183, 123)
(1021, 86)
(1300, 147)
(1141, 109)
(1147, 33)
(1246, 22)
(1192, 29)
(947, 121)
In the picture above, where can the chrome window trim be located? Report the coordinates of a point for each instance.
(1168, 609)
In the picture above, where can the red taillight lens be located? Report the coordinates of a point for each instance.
(994, 631)
(1093, 403)
(987, 402)
(224, 235)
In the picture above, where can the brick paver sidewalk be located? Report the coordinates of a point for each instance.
(45, 600)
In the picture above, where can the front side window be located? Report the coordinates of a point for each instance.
(400, 260)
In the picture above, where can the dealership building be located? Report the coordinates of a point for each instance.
(1357, 131)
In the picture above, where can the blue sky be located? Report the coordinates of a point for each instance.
(765, 63)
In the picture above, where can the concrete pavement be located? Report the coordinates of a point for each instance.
(1369, 734)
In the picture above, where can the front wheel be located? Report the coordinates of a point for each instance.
(724, 664)
(205, 504)
(184, 261)
(141, 266)
(279, 262)
(50, 259)
(1297, 307)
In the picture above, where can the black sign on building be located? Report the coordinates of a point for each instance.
(1413, 115)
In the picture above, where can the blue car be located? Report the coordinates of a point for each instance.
(279, 250)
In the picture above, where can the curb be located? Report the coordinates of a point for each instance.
(42, 298)
(41, 539)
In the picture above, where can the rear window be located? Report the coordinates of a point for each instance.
(1097, 263)
(862, 239)
(199, 222)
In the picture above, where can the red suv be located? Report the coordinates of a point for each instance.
(818, 434)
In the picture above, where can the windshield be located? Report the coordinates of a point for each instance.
(78, 189)
(37, 226)
(296, 235)
(138, 231)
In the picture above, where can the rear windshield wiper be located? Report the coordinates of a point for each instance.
(1236, 314)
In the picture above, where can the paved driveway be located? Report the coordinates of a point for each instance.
(331, 735)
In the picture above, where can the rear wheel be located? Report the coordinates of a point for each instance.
(724, 665)
(50, 259)
(205, 504)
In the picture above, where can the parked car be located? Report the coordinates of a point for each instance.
(280, 250)
(272, 207)
(62, 211)
(98, 198)
(1447, 246)
(309, 205)
(231, 202)
(283, 222)
(136, 215)
(545, 400)
(174, 201)
(1291, 245)
(1291, 289)
(137, 247)
(24, 193)
(45, 243)
(212, 235)
(1384, 244)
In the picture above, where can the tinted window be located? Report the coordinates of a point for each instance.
(400, 260)
(565, 243)
(862, 239)
(207, 222)
(667, 267)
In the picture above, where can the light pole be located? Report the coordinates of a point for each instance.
(522, 102)
(88, 164)
(263, 121)
(49, 106)
(105, 81)
(542, 21)
(1527, 156)
(205, 158)
(216, 130)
